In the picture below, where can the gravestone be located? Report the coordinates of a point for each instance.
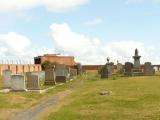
(7, 78)
(79, 68)
(128, 69)
(18, 83)
(106, 70)
(61, 73)
(32, 82)
(41, 75)
(73, 73)
(120, 68)
(148, 69)
(50, 77)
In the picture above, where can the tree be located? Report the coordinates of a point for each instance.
(48, 65)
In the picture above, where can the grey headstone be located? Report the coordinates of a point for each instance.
(148, 69)
(18, 83)
(128, 68)
(32, 82)
(50, 77)
(79, 68)
(73, 73)
(119, 68)
(7, 78)
(61, 70)
(40, 74)
(107, 70)
(61, 73)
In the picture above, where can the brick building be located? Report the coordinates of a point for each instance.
(66, 60)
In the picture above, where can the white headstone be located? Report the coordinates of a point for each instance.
(18, 82)
(7, 78)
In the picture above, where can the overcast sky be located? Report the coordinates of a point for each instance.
(90, 30)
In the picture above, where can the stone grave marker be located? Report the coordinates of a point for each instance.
(50, 77)
(40, 74)
(7, 78)
(18, 83)
(104, 72)
(119, 68)
(61, 72)
(79, 68)
(73, 73)
(148, 69)
(32, 82)
(128, 68)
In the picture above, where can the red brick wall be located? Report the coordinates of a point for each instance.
(17, 68)
(90, 67)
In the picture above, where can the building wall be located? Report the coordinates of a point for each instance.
(18, 69)
(66, 60)
(91, 67)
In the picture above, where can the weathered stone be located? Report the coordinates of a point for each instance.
(120, 68)
(148, 69)
(136, 59)
(7, 78)
(32, 82)
(137, 70)
(50, 77)
(41, 75)
(61, 73)
(73, 73)
(18, 83)
(106, 71)
(79, 68)
(128, 68)
(108, 93)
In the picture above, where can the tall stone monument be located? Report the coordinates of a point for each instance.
(137, 70)
(136, 59)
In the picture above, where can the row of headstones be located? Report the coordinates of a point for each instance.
(147, 70)
(20, 82)
(60, 74)
(30, 81)
(107, 70)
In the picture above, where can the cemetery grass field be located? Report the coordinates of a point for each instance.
(13, 102)
(133, 98)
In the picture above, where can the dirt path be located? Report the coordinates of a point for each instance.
(52, 102)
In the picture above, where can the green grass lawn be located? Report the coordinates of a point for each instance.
(13, 102)
(134, 98)
(1, 82)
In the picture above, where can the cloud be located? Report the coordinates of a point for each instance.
(15, 42)
(51, 5)
(95, 21)
(14, 46)
(93, 51)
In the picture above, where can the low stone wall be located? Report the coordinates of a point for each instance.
(20, 68)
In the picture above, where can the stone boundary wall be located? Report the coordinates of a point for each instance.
(20, 68)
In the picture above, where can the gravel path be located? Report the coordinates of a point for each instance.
(53, 101)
